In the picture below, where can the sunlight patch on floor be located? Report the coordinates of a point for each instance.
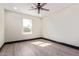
(37, 43)
(41, 44)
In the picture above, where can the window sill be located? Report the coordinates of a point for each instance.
(28, 33)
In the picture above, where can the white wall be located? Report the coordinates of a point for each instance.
(13, 31)
(1, 27)
(63, 26)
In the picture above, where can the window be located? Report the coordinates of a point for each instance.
(27, 26)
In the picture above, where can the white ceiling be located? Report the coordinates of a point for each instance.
(25, 8)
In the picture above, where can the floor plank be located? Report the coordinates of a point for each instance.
(39, 47)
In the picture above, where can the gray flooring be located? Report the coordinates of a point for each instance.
(39, 47)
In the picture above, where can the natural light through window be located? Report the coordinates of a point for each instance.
(27, 26)
(37, 43)
(41, 44)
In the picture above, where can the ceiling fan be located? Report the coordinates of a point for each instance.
(39, 7)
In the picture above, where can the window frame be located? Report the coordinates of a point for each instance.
(23, 26)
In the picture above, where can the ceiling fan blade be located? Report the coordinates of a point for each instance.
(44, 9)
(43, 4)
(35, 4)
(33, 9)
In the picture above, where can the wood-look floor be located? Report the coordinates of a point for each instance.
(39, 47)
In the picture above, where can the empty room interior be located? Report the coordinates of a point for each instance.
(39, 29)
